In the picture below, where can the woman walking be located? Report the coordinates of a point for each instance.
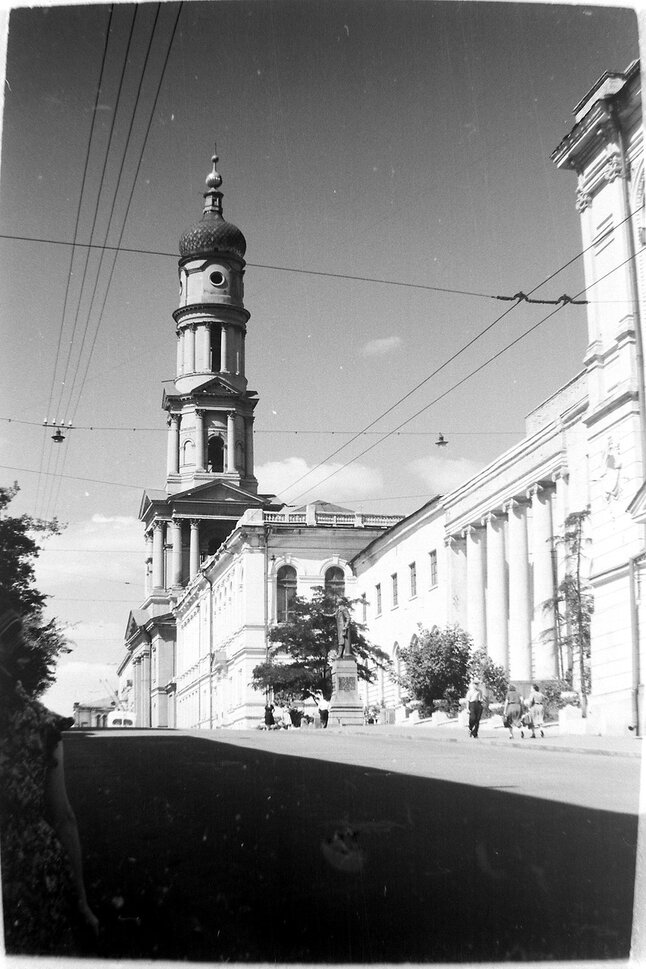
(512, 711)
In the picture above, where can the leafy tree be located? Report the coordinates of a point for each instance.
(35, 657)
(482, 668)
(574, 604)
(299, 662)
(436, 666)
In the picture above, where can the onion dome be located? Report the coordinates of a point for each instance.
(212, 235)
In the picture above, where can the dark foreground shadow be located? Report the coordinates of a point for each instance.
(204, 850)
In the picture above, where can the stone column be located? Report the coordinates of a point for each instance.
(545, 659)
(176, 572)
(248, 446)
(172, 463)
(520, 616)
(561, 481)
(180, 353)
(149, 563)
(194, 557)
(457, 586)
(231, 441)
(497, 628)
(189, 349)
(243, 333)
(199, 440)
(224, 348)
(145, 688)
(476, 609)
(158, 554)
(136, 669)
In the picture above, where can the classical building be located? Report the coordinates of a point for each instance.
(223, 561)
(211, 586)
(496, 566)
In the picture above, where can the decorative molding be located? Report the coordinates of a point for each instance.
(613, 169)
(583, 200)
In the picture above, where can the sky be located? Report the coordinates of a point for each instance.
(389, 164)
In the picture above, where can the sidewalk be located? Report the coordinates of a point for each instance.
(625, 746)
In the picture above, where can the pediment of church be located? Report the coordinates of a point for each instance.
(137, 619)
(217, 491)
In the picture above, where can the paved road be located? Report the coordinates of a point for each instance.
(333, 847)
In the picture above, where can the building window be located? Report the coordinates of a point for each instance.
(378, 596)
(432, 558)
(335, 582)
(395, 589)
(216, 454)
(413, 579)
(285, 592)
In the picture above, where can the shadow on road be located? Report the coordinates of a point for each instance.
(204, 850)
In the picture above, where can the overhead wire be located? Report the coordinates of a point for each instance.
(520, 297)
(460, 382)
(44, 451)
(61, 455)
(130, 197)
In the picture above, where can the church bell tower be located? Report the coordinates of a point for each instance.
(210, 479)
(210, 410)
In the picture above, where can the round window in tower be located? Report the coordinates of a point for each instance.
(217, 278)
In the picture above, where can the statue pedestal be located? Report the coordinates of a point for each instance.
(346, 708)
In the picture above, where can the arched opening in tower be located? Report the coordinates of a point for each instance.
(216, 454)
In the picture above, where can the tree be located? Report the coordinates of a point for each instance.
(298, 664)
(574, 605)
(436, 666)
(42, 640)
(483, 669)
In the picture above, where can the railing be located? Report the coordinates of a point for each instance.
(328, 520)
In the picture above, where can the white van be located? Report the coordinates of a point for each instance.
(121, 718)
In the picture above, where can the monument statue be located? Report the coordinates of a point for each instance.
(344, 631)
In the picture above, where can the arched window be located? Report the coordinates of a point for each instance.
(216, 362)
(187, 453)
(285, 592)
(335, 581)
(216, 454)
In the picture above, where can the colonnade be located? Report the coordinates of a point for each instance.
(196, 343)
(163, 533)
(504, 575)
(174, 423)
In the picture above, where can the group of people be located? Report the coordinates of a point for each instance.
(281, 717)
(517, 712)
(523, 713)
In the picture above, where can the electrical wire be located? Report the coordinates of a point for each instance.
(76, 226)
(161, 430)
(462, 381)
(125, 217)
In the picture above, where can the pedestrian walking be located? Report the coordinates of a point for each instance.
(324, 708)
(536, 707)
(512, 711)
(46, 911)
(474, 704)
(269, 715)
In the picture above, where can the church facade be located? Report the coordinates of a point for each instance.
(222, 559)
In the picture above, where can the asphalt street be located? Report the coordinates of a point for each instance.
(355, 847)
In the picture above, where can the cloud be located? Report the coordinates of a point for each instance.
(381, 346)
(443, 475)
(354, 482)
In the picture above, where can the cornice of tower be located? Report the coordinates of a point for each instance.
(229, 312)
